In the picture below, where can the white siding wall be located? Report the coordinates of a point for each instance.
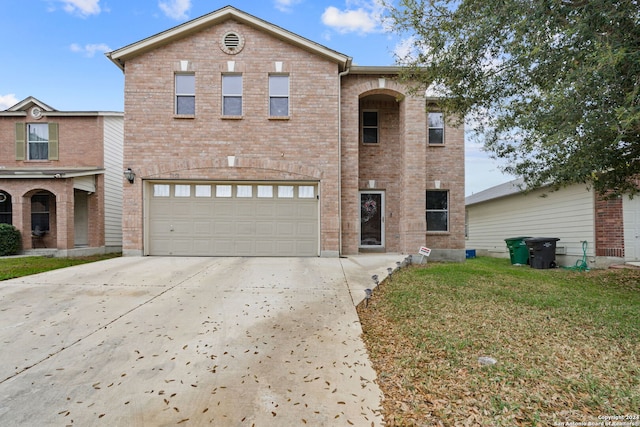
(113, 140)
(567, 214)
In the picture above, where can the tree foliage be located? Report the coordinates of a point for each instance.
(553, 86)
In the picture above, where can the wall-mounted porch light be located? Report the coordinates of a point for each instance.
(130, 175)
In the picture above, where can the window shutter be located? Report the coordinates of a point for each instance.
(53, 141)
(20, 141)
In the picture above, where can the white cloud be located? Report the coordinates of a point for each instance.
(348, 21)
(175, 9)
(286, 5)
(404, 50)
(82, 7)
(89, 50)
(8, 100)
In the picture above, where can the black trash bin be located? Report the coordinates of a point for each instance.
(542, 251)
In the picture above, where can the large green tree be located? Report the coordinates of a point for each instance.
(553, 86)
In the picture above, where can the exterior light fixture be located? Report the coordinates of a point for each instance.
(130, 175)
(367, 297)
(375, 279)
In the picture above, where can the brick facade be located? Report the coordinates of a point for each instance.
(81, 155)
(609, 227)
(318, 142)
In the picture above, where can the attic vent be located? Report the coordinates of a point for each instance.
(232, 43)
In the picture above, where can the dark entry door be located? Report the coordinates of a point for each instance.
(372, 219)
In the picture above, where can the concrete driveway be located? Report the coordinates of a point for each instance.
(160, 341)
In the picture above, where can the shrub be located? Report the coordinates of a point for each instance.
(10, 241)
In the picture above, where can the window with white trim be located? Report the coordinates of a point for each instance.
(181, 190)
(285, 191)
(437, 210)
(223, 191)
(306, 192)
(38, 141)
(278, 96)
(244, 191)
(436, 128)
(161, 190)
(203, 191)
(186, 94)
(369, 127)
(232, 94)
(265, 191)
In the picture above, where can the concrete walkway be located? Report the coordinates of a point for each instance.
(152, 341)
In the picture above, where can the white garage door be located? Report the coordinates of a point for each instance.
(233, 219)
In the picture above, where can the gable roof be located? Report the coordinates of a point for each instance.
(23, 107)
(502, 190)
(29, 102)
(120, 56)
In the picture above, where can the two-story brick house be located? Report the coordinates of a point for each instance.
(61, 178)
(247, 139)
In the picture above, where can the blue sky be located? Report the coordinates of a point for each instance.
(54, 49)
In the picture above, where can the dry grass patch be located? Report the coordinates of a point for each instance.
(567, 344)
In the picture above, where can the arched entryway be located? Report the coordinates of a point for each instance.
(41, 218)
(379, 165)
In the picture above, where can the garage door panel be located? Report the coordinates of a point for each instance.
(286, 247)
(202, 227)
(209, 225)
(265, 247)
(245, 228)
(264, 228)
(244, 248)
(307, 210)
(285, 229)
(202, 246)
(305, 247)
(224, 228)
(267, 208)
(307, 230)
(222, 246)
(286, 210)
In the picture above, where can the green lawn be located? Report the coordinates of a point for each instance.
(567, 344)
(11, 268)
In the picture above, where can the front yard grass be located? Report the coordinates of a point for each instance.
(12, 267)
(567, 345)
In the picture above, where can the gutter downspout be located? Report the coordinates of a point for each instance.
(340, 76)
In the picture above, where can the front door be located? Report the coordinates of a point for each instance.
(372, 219)
(631, 218)
(81, 219)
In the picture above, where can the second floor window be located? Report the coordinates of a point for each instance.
(278, 96)
(185, 94)
(436, 128)
(370, 127)
(38, 141)
(232, 95)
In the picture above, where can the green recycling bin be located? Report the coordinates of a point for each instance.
(518, 250)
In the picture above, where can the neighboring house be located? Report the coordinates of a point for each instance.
(247, 139)
(61, 178)
(610, 228)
